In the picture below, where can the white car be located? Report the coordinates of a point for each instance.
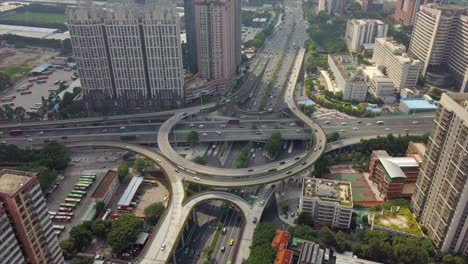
(342, 130)
(205, 134)
(122, 128)
(415, 122)
(41, 133)
(218, 132)
(196, 178)
(30, 139)
(355, 128)
(388, 129)
(368, 124)
(163, 247)
(200, 126)
(344, 123)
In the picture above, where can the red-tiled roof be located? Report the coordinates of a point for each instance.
(280, 241)
(284, 257)
(104, 185)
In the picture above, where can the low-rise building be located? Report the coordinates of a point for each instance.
(348, 77)
(329, 202)
(380, 86)
(396, 177)
(411, 106)
(392, 58)
(280, 241)
(107, 188)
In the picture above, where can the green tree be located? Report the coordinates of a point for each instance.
(409, 254)
(435, 93)
(5, 81)
(304, 232)
(327, 237)
(82, 260)
(380, 251)
(242, 159)
(68, 248)
(139, 164)
(273, 144)
(100, 228)
(193, 138)
(124, 232)
(304, 219)
(100, 208)
(199, 160)
(453, 259)
(284, 204)
(53, 156)
(333, 136)
(154, 212)
(81, 236)
(122, 171)
(261, 251)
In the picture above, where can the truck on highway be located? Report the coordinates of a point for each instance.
(233, 122)
(16, 132)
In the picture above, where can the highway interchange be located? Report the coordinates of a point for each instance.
(162, 243)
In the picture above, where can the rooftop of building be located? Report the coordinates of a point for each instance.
(284, 257)
(397, 49)
(280, 241)
(418, 104)
(104, 184)
(394, 166)
(328, 190)
(131, 190)
(11, 180)
(399, 219)
(380, 153)
(447, 7)
(458, 103)
(417, 150)
(347, 66)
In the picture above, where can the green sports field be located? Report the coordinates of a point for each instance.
(34, 18)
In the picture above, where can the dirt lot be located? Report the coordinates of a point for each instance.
(151, 195)
(25, 57)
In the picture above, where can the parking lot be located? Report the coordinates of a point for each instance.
(37, 90)
(82, 161)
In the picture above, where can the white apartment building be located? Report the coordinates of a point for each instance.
(128, 51)
(440, 199)
(380, 86)
(328, 202)
(348, 77)
(361, 32)
(391, 57)
(439, 40)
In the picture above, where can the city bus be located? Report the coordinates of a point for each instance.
(65, 213)
(78, 192)
(59, 227)
(74, 195)
(69, 205)
(85, 180)
(85, 185)
(62, 218)
(88, 176)
(72, 200)
(65, 209)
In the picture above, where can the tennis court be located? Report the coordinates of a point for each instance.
(362, 192)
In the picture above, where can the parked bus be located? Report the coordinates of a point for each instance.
(59, 227)
(57, 232)
(73, 200)
(65, 209)
(62, 218)
(26, 92)
(85, 180)
(74, 195)
(78, 192)
(52, 214)
(65, 213)
(88, 176)
(150, 182)
(80, 188)
(69, 205)
(83, 185)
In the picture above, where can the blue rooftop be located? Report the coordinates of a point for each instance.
(41, 68)
(131, 190)
(419, 104)
(305, 102)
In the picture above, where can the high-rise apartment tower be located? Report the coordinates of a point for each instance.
(440, 199)
(128, 53)
(28, 232)
(360, 32)
(439, 41)
(218, 41)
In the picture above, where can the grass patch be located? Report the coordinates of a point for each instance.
(35, 18)
(401, 221)
(17, 73)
